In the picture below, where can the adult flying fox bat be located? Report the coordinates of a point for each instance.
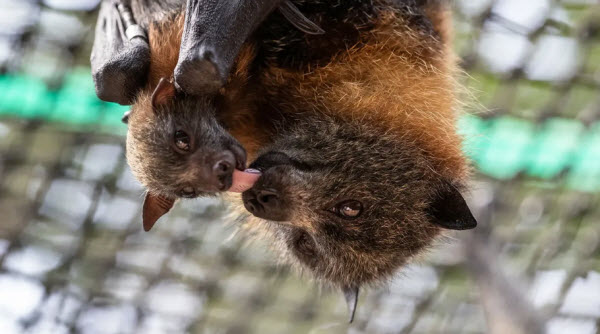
(352, 129)
(354, 132)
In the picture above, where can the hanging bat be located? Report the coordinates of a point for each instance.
(169, 59)
(352, 130)
(362, 168)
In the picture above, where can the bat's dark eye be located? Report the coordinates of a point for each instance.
(187, 192)
(182, 141)
(348, 209)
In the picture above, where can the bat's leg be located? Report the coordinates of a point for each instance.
(213, 34)
(120, 56)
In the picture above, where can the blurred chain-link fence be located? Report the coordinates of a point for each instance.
(73, 257)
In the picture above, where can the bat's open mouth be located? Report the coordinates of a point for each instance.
(276, 158)
(271, 159)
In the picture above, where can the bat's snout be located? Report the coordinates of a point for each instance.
(212, 172)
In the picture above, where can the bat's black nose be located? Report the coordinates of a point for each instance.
(265, 203)
(221, 172)
(223, 167)
(213, 170)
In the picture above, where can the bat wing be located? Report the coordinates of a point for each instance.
(214, 33)
(120, 55)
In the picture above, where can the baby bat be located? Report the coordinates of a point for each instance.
(168, 59)
(354, 133)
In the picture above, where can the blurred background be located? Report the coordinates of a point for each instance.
(73, 257)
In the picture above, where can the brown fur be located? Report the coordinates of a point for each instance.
(397, 83)
(409, 93)
(401, 81)
(380, 112)
(164, 41)
(164, 48)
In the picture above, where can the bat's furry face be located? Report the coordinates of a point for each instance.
(351, 204)
(180, 150)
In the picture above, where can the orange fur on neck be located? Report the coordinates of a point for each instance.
(400, 81)
(164, 39)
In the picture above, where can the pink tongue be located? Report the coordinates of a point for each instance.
(243, 181)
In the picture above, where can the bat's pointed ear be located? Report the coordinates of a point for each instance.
(164, 92)
(155, 206)
(125, 118)
(450, 211)
(351, 296)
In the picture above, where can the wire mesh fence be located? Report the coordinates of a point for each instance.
(73, 257)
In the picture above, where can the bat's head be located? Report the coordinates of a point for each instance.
(177, 148)
(353, 204)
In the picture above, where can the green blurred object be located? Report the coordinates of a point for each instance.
(501, 147)
(504, 146)
(553, 147)
(585, 169)
(75, 103)
(24, 97)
